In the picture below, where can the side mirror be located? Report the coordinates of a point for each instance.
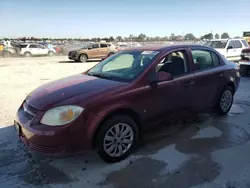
(229, 47)
(159, 77)
(89, 48)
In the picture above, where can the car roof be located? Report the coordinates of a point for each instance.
(168, 47)
(100, 43)
(219, 39)
(227, 39)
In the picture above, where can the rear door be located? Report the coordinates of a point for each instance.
(238, 48)
(208, 76)
(43, 50)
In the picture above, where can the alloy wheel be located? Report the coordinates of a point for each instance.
(226, 100)
(118, 140)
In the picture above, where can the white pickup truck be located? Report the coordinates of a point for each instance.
(230, 48)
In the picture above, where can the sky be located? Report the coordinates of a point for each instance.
(101, 18)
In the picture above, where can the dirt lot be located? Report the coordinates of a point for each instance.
(203, 152)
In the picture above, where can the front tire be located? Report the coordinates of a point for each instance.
(117, 138)
(225, 101)
(83, 58)
(110, 54)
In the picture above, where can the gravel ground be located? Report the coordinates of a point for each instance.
(202, 152)
(19, 76)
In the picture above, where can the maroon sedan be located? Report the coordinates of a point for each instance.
(109, 106)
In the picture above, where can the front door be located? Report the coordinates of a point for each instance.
(103, 51)
(34, 49)
(93, 51)
(233, 51)
(170, 99)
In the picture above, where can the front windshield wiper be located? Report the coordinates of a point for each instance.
(98, 75)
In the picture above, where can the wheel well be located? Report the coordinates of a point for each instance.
(123, 111)
(83, 54)
(231, 84)
(27, 52)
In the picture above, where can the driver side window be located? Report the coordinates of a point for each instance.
(174, 63)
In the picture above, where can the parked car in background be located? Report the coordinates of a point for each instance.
(230, 48)
(123, 46)
(93, 51)
(244, 63)
(28, 50)
(246, 36)
(1, 48)
(108, 107)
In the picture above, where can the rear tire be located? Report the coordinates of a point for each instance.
(116, 138)
(83, 58)
(50, 53)
(27, 54)
(225, 101)
(6, 54)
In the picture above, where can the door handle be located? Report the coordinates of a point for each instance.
(189, 84)
(219, 75)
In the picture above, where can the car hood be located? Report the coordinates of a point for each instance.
(54, 92)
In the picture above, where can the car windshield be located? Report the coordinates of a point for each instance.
(85, 46)
(216, 44)
(123, 66)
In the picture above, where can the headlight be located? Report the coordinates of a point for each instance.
(61, 115)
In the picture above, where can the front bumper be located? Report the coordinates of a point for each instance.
(52, 141)
(73, 55)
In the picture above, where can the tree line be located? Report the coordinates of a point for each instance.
(140, 38)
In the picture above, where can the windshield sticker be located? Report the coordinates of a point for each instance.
(150, 52)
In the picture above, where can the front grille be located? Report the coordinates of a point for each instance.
(47, 149)
(72, 54)
(28, 111)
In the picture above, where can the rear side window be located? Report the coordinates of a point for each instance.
(23, 45)
(237, 44)
(205, 59)
(33, 46)
(103, 45)
(244, 43)
(215, 59)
